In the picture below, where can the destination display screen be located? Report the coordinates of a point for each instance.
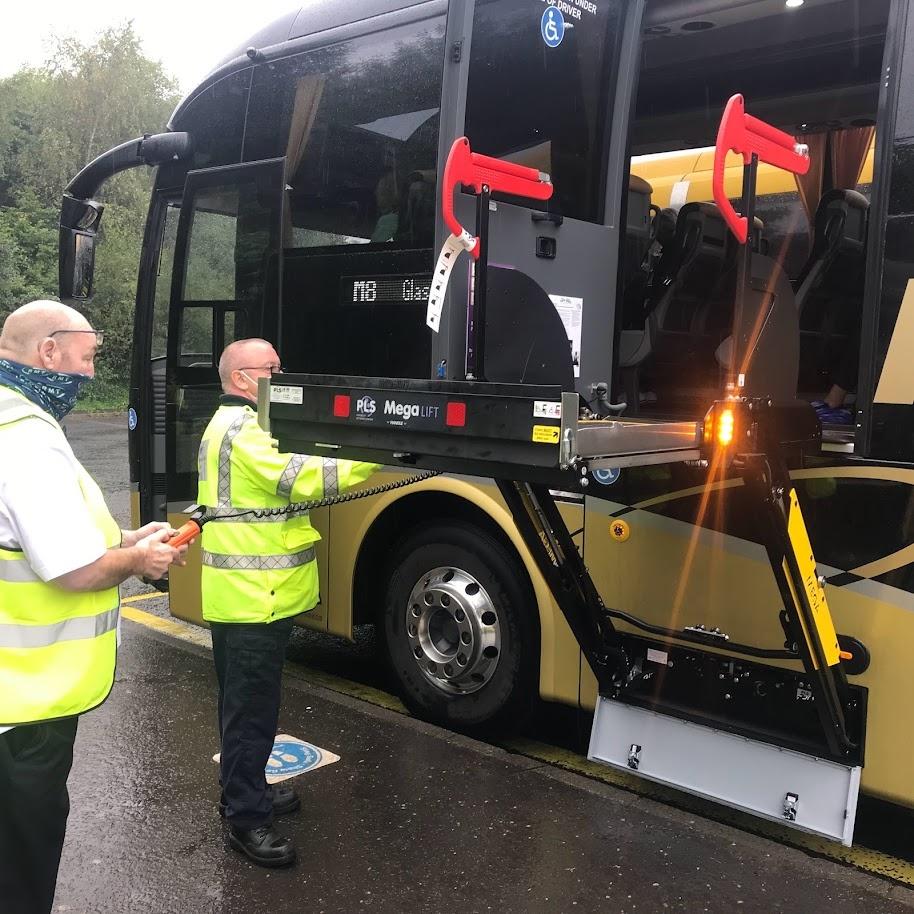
(405, 288)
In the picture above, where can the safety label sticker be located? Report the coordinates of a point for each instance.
(292, 756)
(547, 409)
(571, 311)
(281, 393)
(545, 434)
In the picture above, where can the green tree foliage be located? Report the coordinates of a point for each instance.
(54, 120)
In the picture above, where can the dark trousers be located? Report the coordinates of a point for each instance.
(249, 659)
(35, 762)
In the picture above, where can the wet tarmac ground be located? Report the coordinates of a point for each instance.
(412, 818)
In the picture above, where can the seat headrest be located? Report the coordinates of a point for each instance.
(638, 185)
(841, 217)
(701, 224)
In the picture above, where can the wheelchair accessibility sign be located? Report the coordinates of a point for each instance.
(552, 26)
(292, 756)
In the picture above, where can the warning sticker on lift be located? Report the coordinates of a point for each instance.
(545, 434)
(280, 393)
(547, 409)
(571, 311)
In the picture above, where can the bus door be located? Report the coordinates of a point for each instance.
(536, 86)
(147, 414)
(225, 286)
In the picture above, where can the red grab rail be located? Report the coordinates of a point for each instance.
(748, 136)
(474, 170)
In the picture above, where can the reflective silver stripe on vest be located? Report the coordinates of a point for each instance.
(258, 562)
(202, 469)
(79, 629)
(17, 571)
(331, 478)
(228, 513)
(289, 475)
(225, 458)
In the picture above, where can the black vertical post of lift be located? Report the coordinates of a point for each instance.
(476, 331)
(546, 535)
(743, 279)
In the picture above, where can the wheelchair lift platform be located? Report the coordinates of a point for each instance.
(777, 731)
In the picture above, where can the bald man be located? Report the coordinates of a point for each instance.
(257, 575)
(62, 557)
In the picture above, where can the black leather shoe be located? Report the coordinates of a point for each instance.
(285, 800)
(263, 845)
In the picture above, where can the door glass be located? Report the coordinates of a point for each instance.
(538, 90)
(163, 281)
(227, 290)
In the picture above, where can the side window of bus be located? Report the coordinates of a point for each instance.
(540, 100)
(358, 125)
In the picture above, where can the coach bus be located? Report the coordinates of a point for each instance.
(295, 199)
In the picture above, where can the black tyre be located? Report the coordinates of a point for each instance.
(461, 629)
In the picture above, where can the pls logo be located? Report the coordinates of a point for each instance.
(366, 406)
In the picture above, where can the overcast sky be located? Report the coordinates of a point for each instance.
(188, 36)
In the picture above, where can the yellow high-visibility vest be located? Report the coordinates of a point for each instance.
(260, 569)
(58, 649)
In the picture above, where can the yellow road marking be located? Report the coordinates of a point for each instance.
(167, 626)
(142, 596)
(862, 858)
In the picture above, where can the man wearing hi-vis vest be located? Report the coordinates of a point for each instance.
(62, 557)
(257, 574)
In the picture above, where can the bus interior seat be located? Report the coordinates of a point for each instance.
(649, 231)
(829, 292)
(526, 341)
(694, 312)
(636, 243)
(715, 319)
(700, 248)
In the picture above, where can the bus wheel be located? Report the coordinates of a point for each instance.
(459, 628)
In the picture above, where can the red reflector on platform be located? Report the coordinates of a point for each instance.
(456, 414)
(341, 405)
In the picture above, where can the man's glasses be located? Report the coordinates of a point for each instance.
(273, 369)
(99, 334)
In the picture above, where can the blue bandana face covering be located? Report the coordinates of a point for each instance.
(54, 391)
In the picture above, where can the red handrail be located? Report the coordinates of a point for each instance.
(474, 170)
(748, 136)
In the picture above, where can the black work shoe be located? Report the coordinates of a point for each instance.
(263, 845)
(285, 800)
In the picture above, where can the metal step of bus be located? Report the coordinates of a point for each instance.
(803, 791)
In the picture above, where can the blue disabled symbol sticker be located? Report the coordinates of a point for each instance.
(131, 418)
(288, 758)
(608, 476)
(552, 27)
